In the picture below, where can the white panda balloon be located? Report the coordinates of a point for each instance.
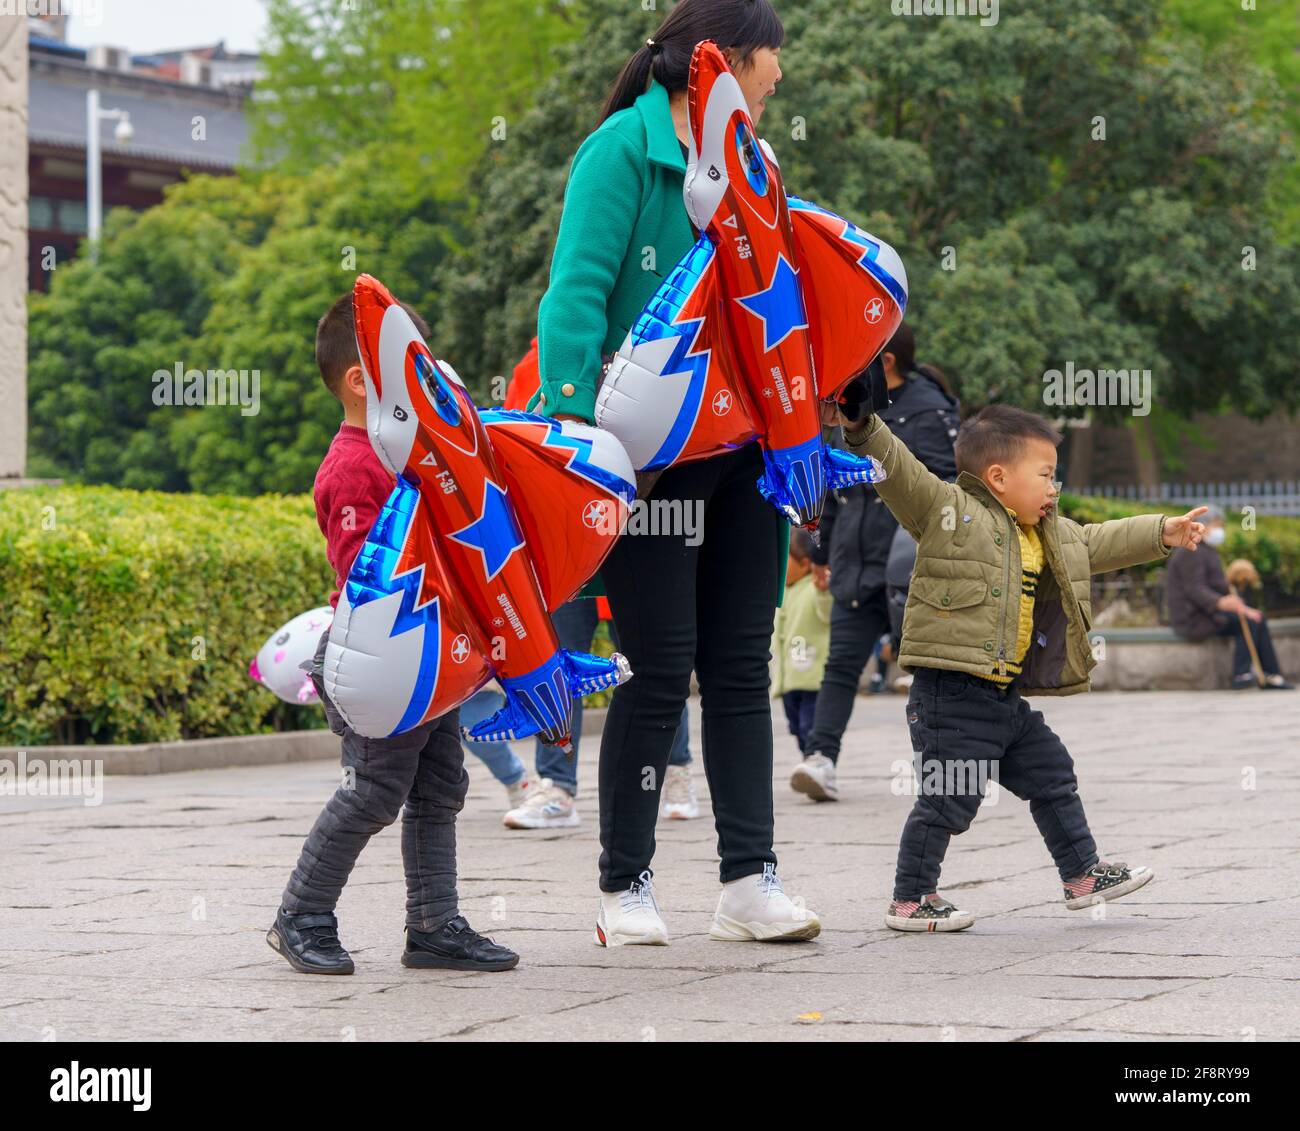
(277, 665)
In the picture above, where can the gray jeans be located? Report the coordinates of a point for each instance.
(420, 774)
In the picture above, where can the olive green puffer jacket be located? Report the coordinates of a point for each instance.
(963, 605)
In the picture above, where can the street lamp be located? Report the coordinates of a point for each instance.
(94, 185)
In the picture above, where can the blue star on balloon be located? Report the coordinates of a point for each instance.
(494, 534)
(780, 305)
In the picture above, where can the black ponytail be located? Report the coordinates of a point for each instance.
(743, 25)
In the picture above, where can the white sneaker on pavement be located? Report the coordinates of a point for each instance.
(815, 776)
(547, 806)
(630, 917)
(679, 795)
(756, 908)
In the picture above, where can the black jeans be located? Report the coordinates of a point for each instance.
(854, 633)
(1229, 624)
(423, 768)
(966, 730)
(711, 607)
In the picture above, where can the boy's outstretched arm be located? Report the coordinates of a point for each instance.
(912, 492)
(1125, 542)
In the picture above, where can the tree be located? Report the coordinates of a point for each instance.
(433, 80)
(104, 328)
(226, 274)
(1067, 186)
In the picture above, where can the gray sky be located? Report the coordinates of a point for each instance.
(156, 25)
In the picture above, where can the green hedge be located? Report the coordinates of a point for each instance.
(131, 616)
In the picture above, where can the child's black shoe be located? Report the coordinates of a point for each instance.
(456, 946)
(310, 943)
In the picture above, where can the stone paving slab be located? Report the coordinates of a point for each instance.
(144, 917)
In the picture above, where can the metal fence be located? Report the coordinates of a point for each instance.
(1277, 497)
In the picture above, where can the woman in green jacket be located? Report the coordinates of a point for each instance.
(680, 602)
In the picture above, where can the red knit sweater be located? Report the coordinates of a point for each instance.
(351, 487)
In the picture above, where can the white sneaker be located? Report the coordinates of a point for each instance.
(757, 908)
(815, 776)
(546, 807)
(518, 793)
(679, 795)
(630, 917)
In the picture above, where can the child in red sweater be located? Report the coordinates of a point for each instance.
(420, 774)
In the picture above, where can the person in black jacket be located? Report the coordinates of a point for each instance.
(856, 533)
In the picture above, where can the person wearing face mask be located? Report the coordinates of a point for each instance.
(1201, 604)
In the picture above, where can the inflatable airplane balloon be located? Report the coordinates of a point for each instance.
(497, 518)
(779, 304)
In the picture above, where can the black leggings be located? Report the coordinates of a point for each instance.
(709, 606)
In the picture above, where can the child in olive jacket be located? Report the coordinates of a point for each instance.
(999, 608)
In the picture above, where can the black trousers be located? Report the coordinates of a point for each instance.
(966, 730)
(709, 606)
(854, 633)
(1229, 624)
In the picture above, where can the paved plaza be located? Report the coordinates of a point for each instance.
(144, 917)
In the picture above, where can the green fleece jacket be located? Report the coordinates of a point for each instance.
(963, 605)
(623, 228)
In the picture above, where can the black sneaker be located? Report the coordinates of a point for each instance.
(310, 943)
(1105, 881)
(456, 946)
(1277, 682)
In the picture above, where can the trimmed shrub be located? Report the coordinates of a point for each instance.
(132, 616)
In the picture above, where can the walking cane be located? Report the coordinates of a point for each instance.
(1250, 641)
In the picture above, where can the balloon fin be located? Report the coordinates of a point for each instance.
(541, 703)
(844, 469)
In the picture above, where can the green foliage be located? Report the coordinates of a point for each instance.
(1266, 34)
(432, 79)
(493, 285)
(132, 616)
(229, 273)
(967, 147)
(972, 149)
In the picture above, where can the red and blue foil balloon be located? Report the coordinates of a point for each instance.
(497, 518)
(777, 306)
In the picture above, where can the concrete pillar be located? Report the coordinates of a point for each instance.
(13, 243)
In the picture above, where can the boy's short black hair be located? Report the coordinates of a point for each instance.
(998, 434)
(336, 341)
(801, 544)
